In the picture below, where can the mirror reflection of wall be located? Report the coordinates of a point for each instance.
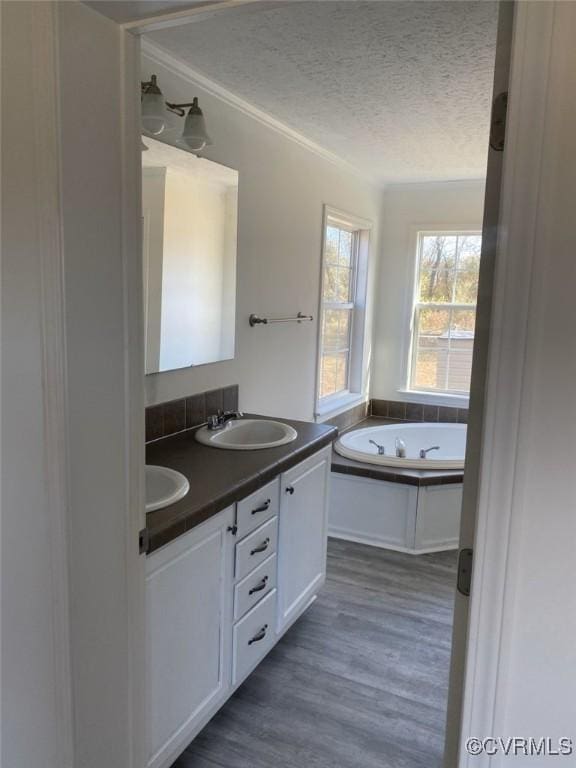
(189, 207)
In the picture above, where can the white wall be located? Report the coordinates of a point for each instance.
(101, 203)
(282, 188)
(406, 209)
(72, 408)
(36, 722)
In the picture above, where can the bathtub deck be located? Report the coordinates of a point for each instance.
(418, 477)
(360, 680)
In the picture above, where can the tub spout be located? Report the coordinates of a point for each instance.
(424, 451)
(400, 448)
(381, 449)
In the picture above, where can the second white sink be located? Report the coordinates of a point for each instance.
(164, 486)
(248, 435)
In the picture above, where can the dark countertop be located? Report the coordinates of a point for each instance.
(419, 477)
(219, 477)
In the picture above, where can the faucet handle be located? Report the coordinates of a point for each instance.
(213, 420)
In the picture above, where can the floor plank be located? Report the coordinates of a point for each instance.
(361, 679)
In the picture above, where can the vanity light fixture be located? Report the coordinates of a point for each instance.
(194, 135)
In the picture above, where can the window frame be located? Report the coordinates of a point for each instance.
(354, 392)
(438, 395)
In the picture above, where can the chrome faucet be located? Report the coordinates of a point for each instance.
(424, 451)
(220, 419)
(381, 449)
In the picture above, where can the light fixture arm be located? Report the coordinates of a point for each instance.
(179, 109)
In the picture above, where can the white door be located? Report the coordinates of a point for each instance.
(490, 233)
(302, 535)
(188, 633)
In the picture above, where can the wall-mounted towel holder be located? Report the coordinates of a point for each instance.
(257, 320)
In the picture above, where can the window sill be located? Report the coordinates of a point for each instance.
(338, 405)
(433, 398)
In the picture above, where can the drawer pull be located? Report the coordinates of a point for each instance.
(289, 489)
(259, 635)
(262, 507)
(260, 548)
(259, 587)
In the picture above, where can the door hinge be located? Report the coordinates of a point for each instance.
(233, 529)
(498, 121)
(465, 571)
(143, 541)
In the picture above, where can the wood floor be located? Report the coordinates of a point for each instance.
(360, 681)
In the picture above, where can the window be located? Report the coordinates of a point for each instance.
(342, 308)
(445, 311)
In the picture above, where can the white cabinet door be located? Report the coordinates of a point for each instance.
(302, 535)
(189, 632)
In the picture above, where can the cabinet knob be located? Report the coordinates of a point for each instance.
(289, 489)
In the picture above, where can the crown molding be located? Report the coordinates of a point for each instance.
(184, 16)
(159, 55)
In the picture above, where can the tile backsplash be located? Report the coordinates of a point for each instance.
(350, 417)
(175, 416)
(399, 411)
(189, 412)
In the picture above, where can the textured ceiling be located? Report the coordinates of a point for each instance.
(399, 89)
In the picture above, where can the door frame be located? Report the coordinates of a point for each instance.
(490, 514)
(477, 686)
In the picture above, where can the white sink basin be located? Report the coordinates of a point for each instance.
(248, 435)
(164, 486)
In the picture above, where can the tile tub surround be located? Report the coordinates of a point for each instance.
(219, 478)
(416, 477)
(188, 412)
(350, 417)
(397, 410)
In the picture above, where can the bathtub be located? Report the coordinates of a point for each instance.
(451, 439)
(405, 512)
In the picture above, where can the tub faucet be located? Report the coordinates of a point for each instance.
(400, 448)
(220, 419)
(424, 451)
(381, 449)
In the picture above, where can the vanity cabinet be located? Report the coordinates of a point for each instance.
(302, 536)
(219, 597)
(189, 634)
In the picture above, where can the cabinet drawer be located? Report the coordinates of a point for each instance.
(256, 548)
(254, 587)
(257, 508)
(254, 636)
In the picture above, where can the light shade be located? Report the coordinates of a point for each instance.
(153, 107)
(153, 113)
(194, 134)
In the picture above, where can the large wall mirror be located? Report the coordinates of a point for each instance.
(190, 210)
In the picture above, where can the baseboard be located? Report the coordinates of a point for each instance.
(381, 544)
